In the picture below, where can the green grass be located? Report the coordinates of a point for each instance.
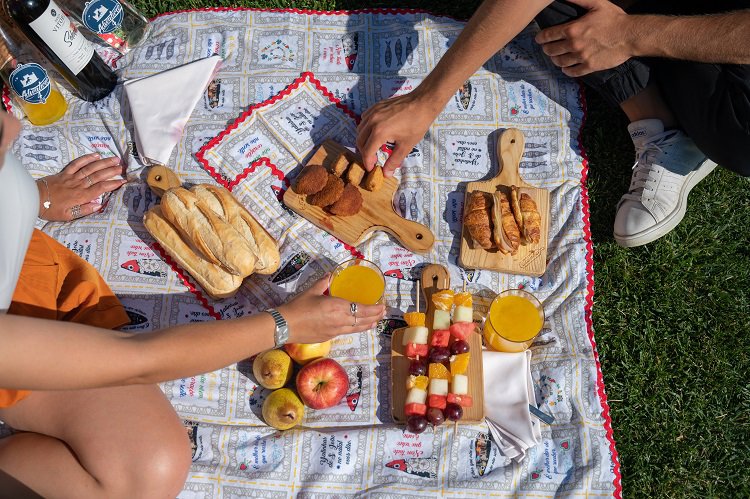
(671, 318)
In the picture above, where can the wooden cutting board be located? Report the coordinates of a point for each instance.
(531, 259)
(377, 213)
(435, 278)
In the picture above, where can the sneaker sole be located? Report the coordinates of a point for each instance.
(673, 219)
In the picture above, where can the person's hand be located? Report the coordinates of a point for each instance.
(402, 120)
(78, 185)
(313, 317)
(597, 41)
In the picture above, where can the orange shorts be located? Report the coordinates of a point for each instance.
(57, 284)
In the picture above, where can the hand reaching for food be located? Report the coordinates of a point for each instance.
(76, 190)
(314, 317)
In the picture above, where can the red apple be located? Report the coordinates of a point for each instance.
(322, 383)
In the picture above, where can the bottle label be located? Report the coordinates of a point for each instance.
(58, 32)
(103, 16)
(31, 83)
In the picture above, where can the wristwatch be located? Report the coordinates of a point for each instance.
(281, 336)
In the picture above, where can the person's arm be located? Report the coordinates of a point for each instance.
(404, 120)
(607, 36)
(38, 354)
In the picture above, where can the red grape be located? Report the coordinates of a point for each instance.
(418, 368)
(416, 424)
(459, 346)
(454, 412)
(439, 354)
(435, 416)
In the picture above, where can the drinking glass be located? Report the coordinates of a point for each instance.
(514, 320)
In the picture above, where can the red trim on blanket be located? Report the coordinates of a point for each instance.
(307, 76)
(263, 161)
(6, 99)
(590, 302)
(372, 10)
(183, 277)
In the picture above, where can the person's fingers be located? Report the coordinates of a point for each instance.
(556, 48)
(363, 133)
(578, 70)
(320, 286)
(588, 4)
(89, 208)
(395, 159)
(566, 60)
(106, 173)
(370, 150)
(551, 34)
(95, 166)
(79, 163)
(99, 188)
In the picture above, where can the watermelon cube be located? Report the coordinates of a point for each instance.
(438, 401)
(415, 409)
(462, 330)
(440, 338)
(462, 400)
(414, 350)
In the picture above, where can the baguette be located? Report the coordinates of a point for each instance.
(216, 281)
(260, 241)
(214, 237)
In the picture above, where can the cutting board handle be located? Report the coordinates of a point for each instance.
(160, 179)
(413, 236)
(434, 278)
(510, 147)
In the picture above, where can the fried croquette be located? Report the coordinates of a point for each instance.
(330, 193)
(349, 203)
(339, 166)
(312, 180)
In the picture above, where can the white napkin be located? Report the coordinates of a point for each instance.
(508, 391)
(162, 103)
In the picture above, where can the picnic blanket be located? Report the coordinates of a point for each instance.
(289, 80)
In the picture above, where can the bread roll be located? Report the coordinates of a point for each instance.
(214, 280)
(211, 234)
(260, 241)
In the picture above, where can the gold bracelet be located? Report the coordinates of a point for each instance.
(47, 204)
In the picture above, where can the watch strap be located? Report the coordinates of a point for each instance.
(281, 335)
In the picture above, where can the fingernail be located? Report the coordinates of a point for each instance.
(97, 207)
(96, 155)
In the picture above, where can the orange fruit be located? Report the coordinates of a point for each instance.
(414, 319)
(443, 300)
(460, 363)
(420, 382)
(438, 371)
(462, 299)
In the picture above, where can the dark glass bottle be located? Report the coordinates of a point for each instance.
(45, 24)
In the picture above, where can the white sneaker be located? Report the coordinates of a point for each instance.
(668, 165)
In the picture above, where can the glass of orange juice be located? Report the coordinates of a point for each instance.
(357, 280)
(515, 318)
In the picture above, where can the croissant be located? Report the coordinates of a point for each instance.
(506, 233)
(527, 215)
(477, 219)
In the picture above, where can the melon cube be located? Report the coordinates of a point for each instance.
(416, 334)
(463, 314)
(441, 320)
(439, 387)
(460, 385)
(416, 396)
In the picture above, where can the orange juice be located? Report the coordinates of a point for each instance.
(514, 320)
(358, 281)
(49, 112)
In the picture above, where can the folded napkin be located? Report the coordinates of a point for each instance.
(508, 392)
(162, 103)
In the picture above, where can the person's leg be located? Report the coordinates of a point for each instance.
(122, 442)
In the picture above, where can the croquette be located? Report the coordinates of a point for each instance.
(339, 166)
(349, 203)
(374, 179)
(312, 180)
(330, 193)
(355, 173)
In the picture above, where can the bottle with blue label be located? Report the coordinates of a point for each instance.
(115, 21)
(29, 83)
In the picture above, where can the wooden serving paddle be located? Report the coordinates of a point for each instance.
(435, 278)
(160, 179)
(377, 211)
(531, 259)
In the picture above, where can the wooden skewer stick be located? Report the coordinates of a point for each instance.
(417, 297)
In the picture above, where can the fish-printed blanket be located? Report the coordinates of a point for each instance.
(289, 80)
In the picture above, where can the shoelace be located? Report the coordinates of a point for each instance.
(644, 166)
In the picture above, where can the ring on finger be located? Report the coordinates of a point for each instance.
(355, 321)
(89, 179)
(353, 309)
(75, 211)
